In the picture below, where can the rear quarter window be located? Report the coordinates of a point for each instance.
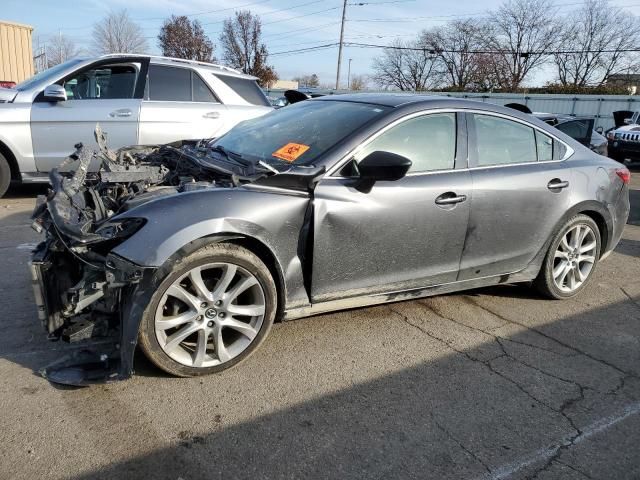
(246, 88)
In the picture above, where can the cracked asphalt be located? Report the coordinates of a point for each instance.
(487, 384)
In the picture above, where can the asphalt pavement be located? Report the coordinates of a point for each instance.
(487, 384)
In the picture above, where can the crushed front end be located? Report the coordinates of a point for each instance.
(85, 294)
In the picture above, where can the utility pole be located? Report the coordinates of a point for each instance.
(344, 12)
(349, 75)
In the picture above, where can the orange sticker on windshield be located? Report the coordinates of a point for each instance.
(291, 151)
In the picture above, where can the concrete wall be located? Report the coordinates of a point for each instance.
(16, 58)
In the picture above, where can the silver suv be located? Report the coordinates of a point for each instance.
(137, 99)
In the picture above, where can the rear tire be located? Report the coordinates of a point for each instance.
(210, 312)
(5, 175)
(571, 259)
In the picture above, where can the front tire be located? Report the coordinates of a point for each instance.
(5, 175)
(571, 259)
(210, 312)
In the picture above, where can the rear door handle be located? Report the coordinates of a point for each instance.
(211, 115)
(557, 184)
(124, 112)
(450, 198)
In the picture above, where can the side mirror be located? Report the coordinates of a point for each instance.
(383, 166)
(55, 93)
(600, 130)
(627, 121)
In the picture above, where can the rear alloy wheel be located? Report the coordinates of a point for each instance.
(211, 313)
(571, 259)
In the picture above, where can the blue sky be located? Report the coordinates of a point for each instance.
(287, 24)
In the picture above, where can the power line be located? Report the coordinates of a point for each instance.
(273, 11)
(305, 50)
(489, 52)
(206, 12)
(460, 15)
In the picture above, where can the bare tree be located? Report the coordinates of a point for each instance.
(117, 33)
(594, 43)
(243, 48)
(358, 82)
(60, 49)
(456, 44)
(522, 32)
(309, 81)
(406, 66)
(182, 38)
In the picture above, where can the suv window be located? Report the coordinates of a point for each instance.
(174, 84)
(429, 141)
(104, 82)
(246, 88)
(500, 141)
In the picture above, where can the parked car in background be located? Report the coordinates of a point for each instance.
(137, 99)
(624, 139)
(330, 203)
(578, 128)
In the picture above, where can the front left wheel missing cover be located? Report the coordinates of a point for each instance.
(210, 312)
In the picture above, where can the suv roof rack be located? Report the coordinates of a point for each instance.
(177, 60)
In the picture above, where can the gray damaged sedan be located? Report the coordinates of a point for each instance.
(193, 250)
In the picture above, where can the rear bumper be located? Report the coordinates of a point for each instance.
(620, 214)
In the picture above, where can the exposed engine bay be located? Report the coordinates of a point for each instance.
(79, 286)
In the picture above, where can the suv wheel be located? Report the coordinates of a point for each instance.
(211, 312)
(571, 259)
(5, 175)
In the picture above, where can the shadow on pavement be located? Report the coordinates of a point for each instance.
(473, 413)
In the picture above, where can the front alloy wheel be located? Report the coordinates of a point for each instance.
(210, 313)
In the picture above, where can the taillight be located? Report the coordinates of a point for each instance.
(624, 174)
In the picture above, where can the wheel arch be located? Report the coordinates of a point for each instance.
(593, 210)
(253, 244)
(11, 159)
(601, 222)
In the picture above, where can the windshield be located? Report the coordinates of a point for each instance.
(298, 133)
(50, 74)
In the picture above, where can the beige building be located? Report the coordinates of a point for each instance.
(16, 58)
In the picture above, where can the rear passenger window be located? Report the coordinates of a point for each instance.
(171, 84)
(201, 93)
(428, 141)
(246, 88)
(501, 142)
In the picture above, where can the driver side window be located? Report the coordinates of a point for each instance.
(103, 82)
(429, 141)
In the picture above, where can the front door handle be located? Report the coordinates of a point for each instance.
(450, 198)
(211, 115)
(557, 184)
(123, 112)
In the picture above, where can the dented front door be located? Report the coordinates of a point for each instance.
(398, 236)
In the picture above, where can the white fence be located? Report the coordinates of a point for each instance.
(600, 107)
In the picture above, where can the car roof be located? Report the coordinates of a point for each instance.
(385, 99)
(421, 101)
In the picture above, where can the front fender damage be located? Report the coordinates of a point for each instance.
(85, 293)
